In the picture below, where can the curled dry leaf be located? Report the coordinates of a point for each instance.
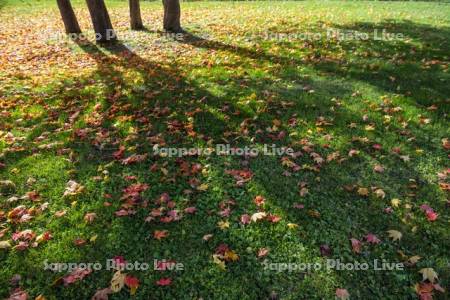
(207, 237)
(258, 216)
(160, 234)
(90, 217)
(76, 275)
(102, 294)
(263, 252)
(117, 282)
(245, 219)
(342, 294)
(356, 245)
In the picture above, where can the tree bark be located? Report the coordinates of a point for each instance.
(101, 21)
(135, 15)
(172, 14)
(68, 16)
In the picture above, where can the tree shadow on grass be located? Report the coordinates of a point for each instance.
(415, 69)
(339, 232)
(193, 102)
(414, 66)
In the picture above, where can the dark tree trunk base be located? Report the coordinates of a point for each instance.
(68, 16)
(172, 14)
(101, 21)
(135, 15)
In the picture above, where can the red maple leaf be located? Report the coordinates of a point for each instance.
(372, 238)
(164, 282)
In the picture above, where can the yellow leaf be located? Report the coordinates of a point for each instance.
(203, 187)
(133, 290)
(429, 274)
(93, 238)
(414, 259)
(5, 244)
(231, 255)
(363, 191)
(292, 225)
(117, 282)
(223, 224)
(395, 235)
(395, 202)
(40, 238)
(219, 262)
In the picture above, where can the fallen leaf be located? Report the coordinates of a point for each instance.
(428, 274)
(394, 235)
(207, 237)
(18, 294)
(356, 245)
(262, 252)
(76, 275)
(5, 245)
(164, 282)
(259, 200)
(372, 239)
(160, 234)
(218, 261)
(133, 283)
(117, 282)
(395, 202)
(342, 294)
(245, 219)
(90, 217)
(414, 259)
(292, 225)
(363, 191)
(102, 294)
(223, 224)
(230, 255)
(258, 216)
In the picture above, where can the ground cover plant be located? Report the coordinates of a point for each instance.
(84, 177)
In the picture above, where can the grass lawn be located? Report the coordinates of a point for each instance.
(368, 120)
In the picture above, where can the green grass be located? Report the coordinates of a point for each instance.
(67, 107)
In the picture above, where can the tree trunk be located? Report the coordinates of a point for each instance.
(172, 13)
(135, 15)
(102, 23)
(68, 16)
